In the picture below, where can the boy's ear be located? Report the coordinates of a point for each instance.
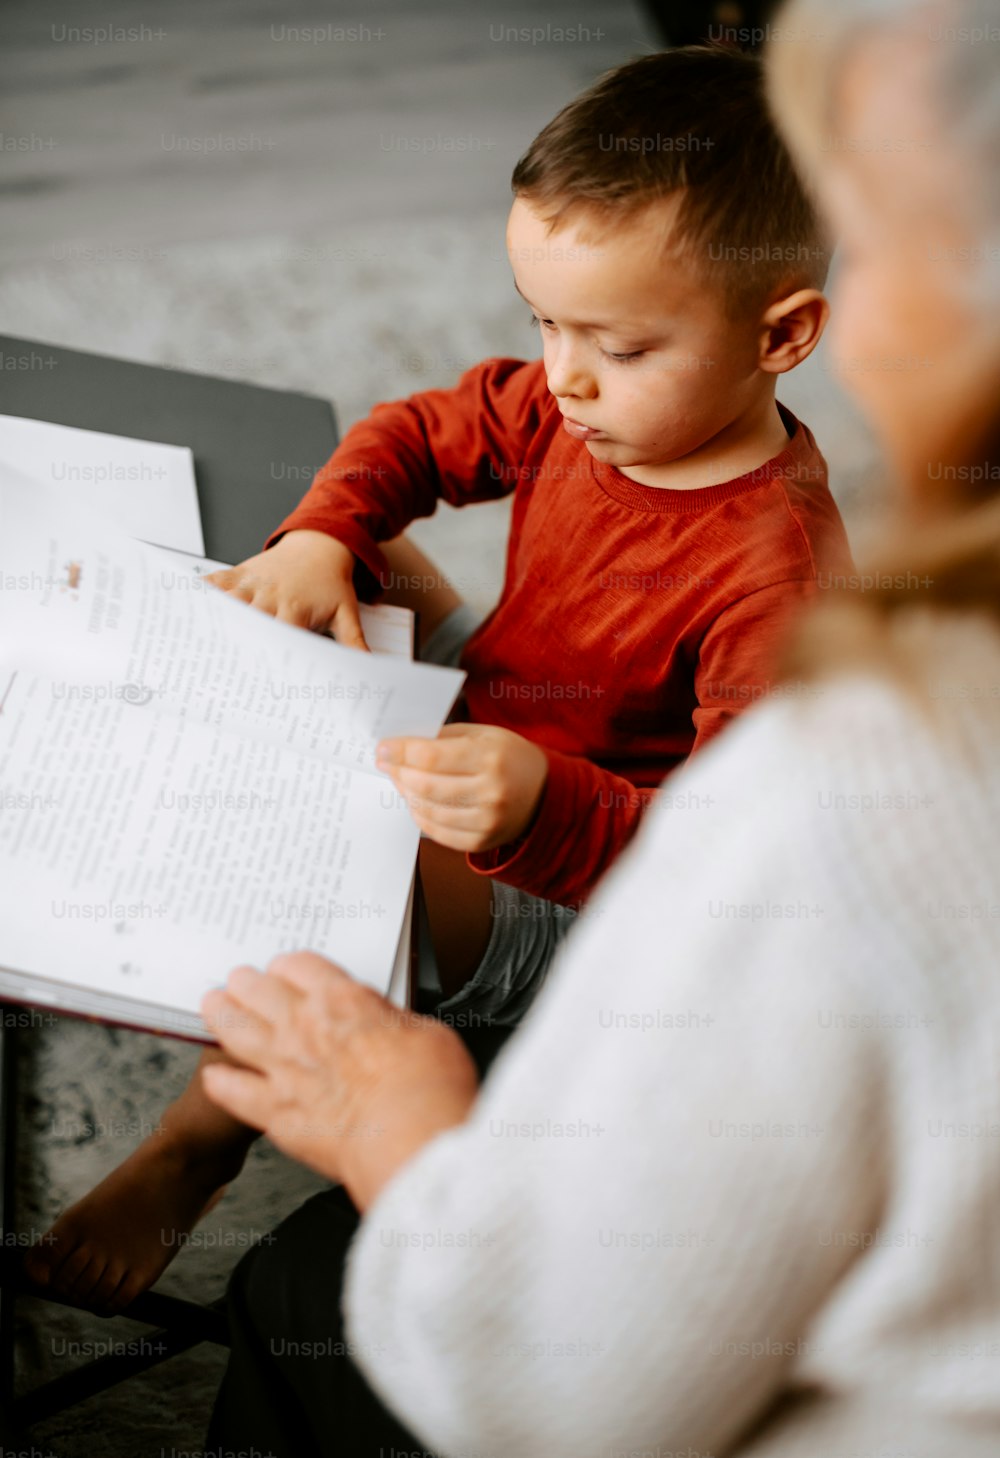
(790, 329)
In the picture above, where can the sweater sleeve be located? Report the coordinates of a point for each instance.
(587, 814)
(621, 1249)
(459, 445)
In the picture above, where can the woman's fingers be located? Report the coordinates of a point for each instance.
(242, 1093)
(254, 1004)
(244, 1034)
(309, 972)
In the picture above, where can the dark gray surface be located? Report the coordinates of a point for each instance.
(255, 450)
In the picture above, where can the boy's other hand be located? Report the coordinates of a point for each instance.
(473, 788)
(307, 578)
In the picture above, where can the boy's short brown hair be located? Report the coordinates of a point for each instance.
(692, 121)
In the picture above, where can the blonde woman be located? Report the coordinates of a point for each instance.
(735, 1185)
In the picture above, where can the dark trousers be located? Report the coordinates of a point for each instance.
(291, 1389)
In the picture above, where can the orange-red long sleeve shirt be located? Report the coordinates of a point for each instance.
(634, 621)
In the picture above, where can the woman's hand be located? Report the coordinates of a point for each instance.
(474, 787)
(334, 1075)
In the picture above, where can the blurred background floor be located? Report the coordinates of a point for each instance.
(304, 195)
(321, 114)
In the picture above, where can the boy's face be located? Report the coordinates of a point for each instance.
(639, 352)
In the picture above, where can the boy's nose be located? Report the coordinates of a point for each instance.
(567, 376)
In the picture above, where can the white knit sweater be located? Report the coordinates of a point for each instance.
(735, 1186)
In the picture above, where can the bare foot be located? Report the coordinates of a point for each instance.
(117, 1241)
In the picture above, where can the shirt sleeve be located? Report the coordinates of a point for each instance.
(460, 445)
(739, 654)
(619, 1251)
(588, 815)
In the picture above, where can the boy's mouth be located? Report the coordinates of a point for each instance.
(578, 431)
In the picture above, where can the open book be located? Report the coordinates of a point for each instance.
(186, 784)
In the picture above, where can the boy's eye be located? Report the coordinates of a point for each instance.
(622, 358)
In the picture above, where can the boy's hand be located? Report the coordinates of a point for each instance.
(472, 788)
(307, 579)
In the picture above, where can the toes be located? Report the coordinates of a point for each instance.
(102, 1294)
(45, 1261)
(124, 1294)
(79, 1274)
(38, 1263)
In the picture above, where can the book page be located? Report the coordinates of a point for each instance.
(168, 806)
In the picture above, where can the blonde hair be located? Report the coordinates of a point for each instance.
(945, 546)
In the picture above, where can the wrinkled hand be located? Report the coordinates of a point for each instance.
(335, 1075)
(306, 578)
(474, 787)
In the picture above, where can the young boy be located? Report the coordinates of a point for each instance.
(668, 517)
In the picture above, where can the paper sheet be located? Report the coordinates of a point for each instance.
(146, 488)
(387, 629)
(186, 783)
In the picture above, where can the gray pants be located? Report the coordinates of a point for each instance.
(525, 931)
